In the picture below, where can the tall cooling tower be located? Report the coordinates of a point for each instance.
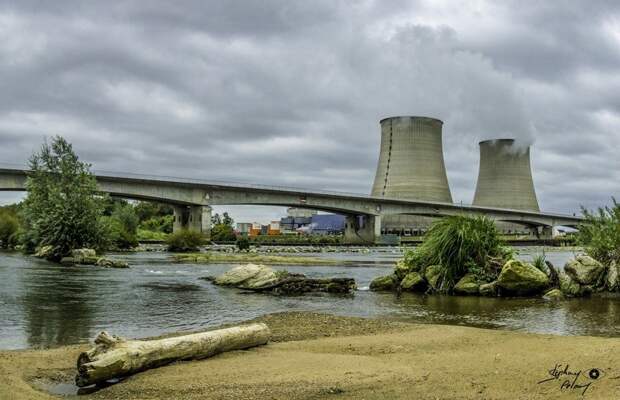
(411, 160)
(505, 176)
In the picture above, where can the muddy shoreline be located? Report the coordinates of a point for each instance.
(324, 356)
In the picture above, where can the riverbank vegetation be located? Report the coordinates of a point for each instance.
(600, 233)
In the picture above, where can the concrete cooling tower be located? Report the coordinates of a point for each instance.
(411, 160)
(411, 167)
(505, 176)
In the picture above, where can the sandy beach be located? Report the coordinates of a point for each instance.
(316, 356)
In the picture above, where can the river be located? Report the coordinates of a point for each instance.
(45, 305)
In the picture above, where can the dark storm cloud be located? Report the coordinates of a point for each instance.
(290, 93)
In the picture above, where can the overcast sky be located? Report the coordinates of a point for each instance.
(291, 92)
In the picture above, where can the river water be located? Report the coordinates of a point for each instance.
(46, 305)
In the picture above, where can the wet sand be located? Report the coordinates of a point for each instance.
(316, 356)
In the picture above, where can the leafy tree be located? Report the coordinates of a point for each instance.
(147, 210)
(227, 220)
(223, 233)
(222, 230)
(9, 226)
(600, 233)
(122, 226)
(216, 219)
(62, 209)
(158, 224)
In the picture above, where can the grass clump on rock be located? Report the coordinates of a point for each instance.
(455, 248)
(185, 240)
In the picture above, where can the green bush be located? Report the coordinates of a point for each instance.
(600, 233)
(9, 226)
(243, 244)
(460, 244)
(158, 224)
(145, 234)
(223, 233)
(185, 240)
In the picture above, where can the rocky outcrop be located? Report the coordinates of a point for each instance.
(89, 257)
(248, 276)
(107, 263)
(413, 282)
(521, 278)
(260, 278)
(432, 274)
(401, 270)
(585, 270)
(612, 281)
(572, 288)
(467, 285)
(554, 295)
(44, 252)
(489, 289)
(384, 283)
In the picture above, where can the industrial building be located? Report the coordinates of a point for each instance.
(505, 176)
(411, 166)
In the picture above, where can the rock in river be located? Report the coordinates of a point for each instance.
(413, 282)
(521, 278)
(585, 270)
(467, 285)
(613, 277)
(432, 274)
(383, 283)
(261, 278)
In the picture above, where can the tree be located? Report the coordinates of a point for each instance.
(62, 208)
(9, 225)
(122, 226)
(222, 230)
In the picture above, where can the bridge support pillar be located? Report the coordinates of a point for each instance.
(542, 232)
(195, 218)
(362, 229)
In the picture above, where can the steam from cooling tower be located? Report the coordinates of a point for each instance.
(505, 176)
(411, 164)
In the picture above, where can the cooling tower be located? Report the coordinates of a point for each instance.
(411, 160)
(505, 176)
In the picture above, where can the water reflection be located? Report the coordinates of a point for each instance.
(58, 305)
(43, 304)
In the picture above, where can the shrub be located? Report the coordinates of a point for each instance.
(158, 224)
(460, 244)
(243, 244)
(600, 233)
(9, 225)
(185, 240)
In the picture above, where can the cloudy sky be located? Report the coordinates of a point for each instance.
(290, 92)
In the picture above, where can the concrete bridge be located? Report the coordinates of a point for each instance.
(192, 201)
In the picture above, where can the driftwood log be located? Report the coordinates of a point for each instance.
(114, 357)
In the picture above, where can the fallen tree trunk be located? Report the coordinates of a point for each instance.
(114, 357)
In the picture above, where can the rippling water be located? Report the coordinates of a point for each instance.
(44, 304)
